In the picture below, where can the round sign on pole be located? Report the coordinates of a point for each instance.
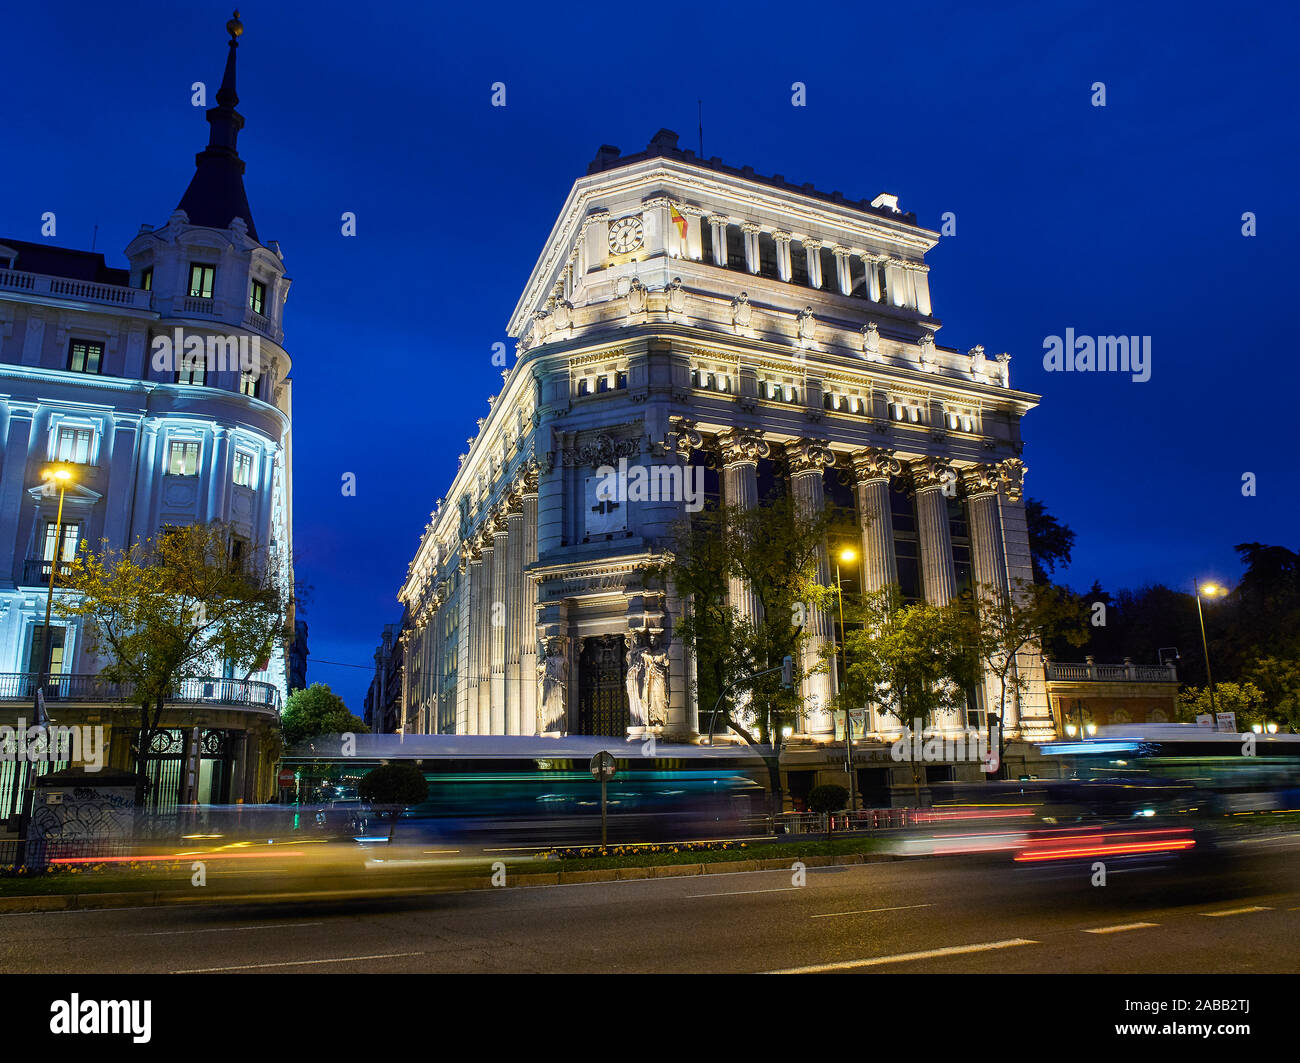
(603, 765)
(286, 777)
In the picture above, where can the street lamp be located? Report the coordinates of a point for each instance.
(61, 475)
(1210, 590)
(848, 556)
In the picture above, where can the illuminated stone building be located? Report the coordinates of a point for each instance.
(81, 384)
(684, 313)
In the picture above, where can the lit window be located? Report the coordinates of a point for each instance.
(257, 297)
(183, 458)
(248, 384)
(71, 535)
(146, 278)
(193, 368)
(73, 444)
(85, 356)
(243, 469)
(202, 279)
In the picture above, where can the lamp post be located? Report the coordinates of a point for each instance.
(1210, 590)
(61, 475)
(848, 557)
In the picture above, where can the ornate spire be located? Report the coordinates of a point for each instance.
(216, 194)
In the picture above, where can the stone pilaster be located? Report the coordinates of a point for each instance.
(498, 618)
(515, 605)
(528, 610)
(483, 632)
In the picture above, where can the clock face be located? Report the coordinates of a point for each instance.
(626, 235)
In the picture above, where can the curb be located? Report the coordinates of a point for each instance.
(163, 898)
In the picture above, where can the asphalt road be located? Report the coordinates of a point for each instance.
(937, 915)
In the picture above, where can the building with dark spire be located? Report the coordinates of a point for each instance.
(163, 387)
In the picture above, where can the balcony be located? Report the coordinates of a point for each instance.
(1091, 671)
(13, 280)
(36, 573)
(237, 693)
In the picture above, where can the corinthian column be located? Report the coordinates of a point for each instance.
(741, 449)
(483, 626)
(514, 610)
(808, 457)
(498, 617)
(467, 677)
(528, 607)
(987, 562)
(935, 482)
(873, 469)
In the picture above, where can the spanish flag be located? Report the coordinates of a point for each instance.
(675, 216)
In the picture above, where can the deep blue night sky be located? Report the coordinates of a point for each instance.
(1117, 220)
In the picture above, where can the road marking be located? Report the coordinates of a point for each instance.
(869, 911)
(907, 957)
(1237, 911)
(1120, 928)
(298, 963)
(219, 930)
(746, 893)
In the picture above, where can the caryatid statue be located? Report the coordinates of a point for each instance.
(636, 684)
(655, 662)
(552, 683)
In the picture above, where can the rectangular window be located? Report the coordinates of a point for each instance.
(183, 458)
(146, 279)
(71, 535)
(243, 468)
(248, 384)
(74, 445)
(257, 297)
(202, 279)
(193, 370)
(36, 663)
(85, 356)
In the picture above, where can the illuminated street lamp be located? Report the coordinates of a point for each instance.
(62, 476)
(848, 556)
(1210, 590)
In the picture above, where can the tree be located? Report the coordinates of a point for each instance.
(775, 550)
(1050, 541)
(829, 797)
(172, 608)
(392, 788)
(1279, 680)
(317, 711)
(1003, 622)
(1244, 699)
(911, 659)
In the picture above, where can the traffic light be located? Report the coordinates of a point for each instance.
(787, 672)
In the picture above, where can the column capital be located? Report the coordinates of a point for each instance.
(811, 243)
(683, 437)
(981, 479)
(809, 455)
(751, 228)
(719, 219)
(876, 463)
(781, 236)
(742, 445)
(930, 472)
(1013, 478)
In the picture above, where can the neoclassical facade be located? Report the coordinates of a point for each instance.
(90, 378)
(691, 323)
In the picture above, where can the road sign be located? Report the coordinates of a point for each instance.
(603, 765)
(286, 777)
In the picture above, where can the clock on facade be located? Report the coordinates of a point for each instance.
(626, 235)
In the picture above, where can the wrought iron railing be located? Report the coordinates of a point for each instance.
(36, 572)
(21, 686)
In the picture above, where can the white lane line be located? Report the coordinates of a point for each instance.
(907, 957)
(746, 893)
(1236, 911)
(1120, 928)
(219, 930)
(869, 911)
(298, 963)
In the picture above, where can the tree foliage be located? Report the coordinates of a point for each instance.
(1050, 541)
(317, 711)
(172, 608)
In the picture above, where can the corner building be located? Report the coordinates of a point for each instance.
(148, 447)
(684, 312)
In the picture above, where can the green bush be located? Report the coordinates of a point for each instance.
(829, 797)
